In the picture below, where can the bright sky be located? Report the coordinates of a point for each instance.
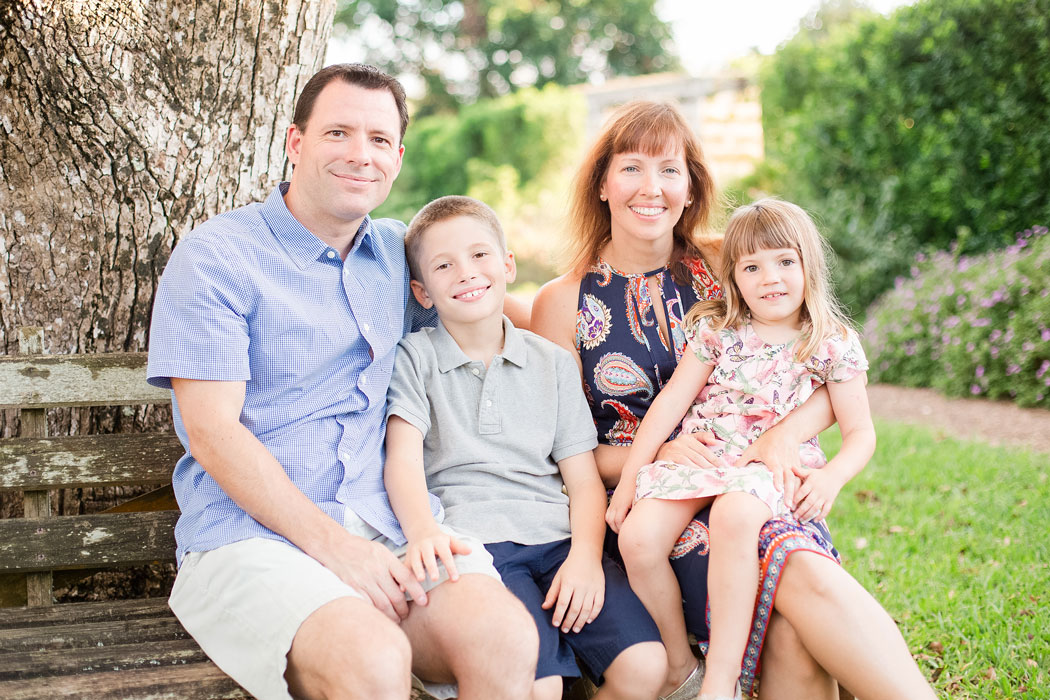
(710, 33)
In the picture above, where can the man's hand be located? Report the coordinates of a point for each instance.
(691, 450)
(577, 593)
(817, 494)
(373, 570)
(424, 552)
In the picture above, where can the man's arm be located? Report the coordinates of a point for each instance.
(249, 474)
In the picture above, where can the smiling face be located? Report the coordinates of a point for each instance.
(346, 157)
(772, 283)
(464, 271)
(646, 193)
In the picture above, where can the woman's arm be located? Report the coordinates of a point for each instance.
(554, 313)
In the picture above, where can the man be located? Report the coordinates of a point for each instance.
(275, 326)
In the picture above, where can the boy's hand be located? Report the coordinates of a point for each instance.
(619, 505)
(423, 554)
(816, 495)
(577, 593)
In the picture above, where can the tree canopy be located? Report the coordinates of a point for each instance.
(469, 49)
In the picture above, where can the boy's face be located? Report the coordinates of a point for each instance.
(465, 271)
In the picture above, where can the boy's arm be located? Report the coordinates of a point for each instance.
(406, 486)
(578, 590)
(820, 487)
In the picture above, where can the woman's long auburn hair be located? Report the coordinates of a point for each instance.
(774, 223)
(651, 128)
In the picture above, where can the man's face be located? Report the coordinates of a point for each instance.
(347, 155)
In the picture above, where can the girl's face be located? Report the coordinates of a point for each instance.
(646, 193)
(773, 285)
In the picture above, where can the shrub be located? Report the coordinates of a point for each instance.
(912, 132)
(965, 325)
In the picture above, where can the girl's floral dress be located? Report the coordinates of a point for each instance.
(753, 385)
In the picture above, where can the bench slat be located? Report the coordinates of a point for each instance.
(57, 638)
(88, 461)
(80, 541)
(199, 681)
(47, 381)
(123, 657)
(84, 613)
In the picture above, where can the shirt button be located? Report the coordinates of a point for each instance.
(364, 380)
(475, 371)
(365, 326)
(344, 455)
(488, 403)
(331, 254)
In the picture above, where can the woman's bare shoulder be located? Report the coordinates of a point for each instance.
(554, 308)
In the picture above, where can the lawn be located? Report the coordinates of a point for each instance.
(952, 538)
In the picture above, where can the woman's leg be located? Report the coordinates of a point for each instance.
(646, 539)
(788, 669)
(847, 631)
(732, 581)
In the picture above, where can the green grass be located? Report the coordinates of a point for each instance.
(952, 538)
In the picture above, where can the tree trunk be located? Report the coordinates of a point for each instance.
(124, 123)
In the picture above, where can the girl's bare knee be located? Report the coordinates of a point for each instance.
(638, 671)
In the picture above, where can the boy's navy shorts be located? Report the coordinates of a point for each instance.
(528, 570)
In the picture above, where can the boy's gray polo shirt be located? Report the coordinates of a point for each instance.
(492, 438)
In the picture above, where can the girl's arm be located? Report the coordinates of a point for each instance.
(820, 487)
(663, 416)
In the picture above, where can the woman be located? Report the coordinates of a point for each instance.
(640, 201)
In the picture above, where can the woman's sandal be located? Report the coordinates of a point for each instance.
(736, 695)
(690, 686)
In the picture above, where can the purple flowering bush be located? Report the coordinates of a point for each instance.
(974, 326)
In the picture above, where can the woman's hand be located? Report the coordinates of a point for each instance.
(779, 452)
(690, 449)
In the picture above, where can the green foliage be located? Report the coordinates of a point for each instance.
(969, 325)
(950, 538)
(501, 151)
(913, 132)
(484, 48)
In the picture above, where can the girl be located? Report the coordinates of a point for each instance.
(762, 350)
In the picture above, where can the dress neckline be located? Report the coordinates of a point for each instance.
(630, 275)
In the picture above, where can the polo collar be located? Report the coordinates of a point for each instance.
(301, 245)
(450, 355)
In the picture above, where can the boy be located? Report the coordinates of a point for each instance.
(494, 421)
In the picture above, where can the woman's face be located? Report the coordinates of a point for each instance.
(646, 193)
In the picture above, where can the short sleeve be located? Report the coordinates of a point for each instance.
(704, 341)
(846, 358)
(575, 426)
(407, 395)
(199, 328)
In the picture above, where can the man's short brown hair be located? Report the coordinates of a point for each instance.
(360, 74)
(443, 209)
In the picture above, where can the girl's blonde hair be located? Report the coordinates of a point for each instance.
(774, 223)
(639, 127)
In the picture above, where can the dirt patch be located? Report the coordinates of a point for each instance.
(994, 422)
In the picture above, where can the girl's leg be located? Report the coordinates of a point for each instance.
(635, 674)
(847, 631)
(646, 539)
(732, 582)
(788, 669)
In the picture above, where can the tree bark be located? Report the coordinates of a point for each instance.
(124, 123)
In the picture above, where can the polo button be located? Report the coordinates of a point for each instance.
(331, 254)
(488, 403)
(475, 371)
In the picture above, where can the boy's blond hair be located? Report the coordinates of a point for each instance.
(443, 209)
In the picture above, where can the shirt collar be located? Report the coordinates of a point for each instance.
(450, 355)
(301, 245)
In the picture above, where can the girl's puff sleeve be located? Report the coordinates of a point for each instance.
(704, 341)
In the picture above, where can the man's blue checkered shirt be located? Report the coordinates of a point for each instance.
(252, 296)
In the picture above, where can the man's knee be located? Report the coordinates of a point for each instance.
(349, 649)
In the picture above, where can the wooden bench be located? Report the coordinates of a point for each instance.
(119, 649)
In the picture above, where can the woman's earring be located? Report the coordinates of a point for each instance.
(688, 202)
(602, 197)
